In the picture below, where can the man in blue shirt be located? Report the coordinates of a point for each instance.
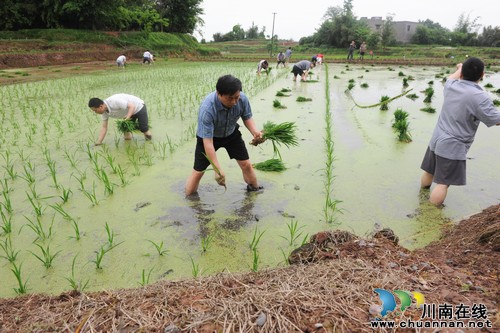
(465, 105)
(218, 128)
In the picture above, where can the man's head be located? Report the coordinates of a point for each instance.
(228, 89)
(97, 105)
(472, 69)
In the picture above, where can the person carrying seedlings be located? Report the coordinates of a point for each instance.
(302, 68)
(465, 105)
(123, 106)
(263, 65)
(218, 128)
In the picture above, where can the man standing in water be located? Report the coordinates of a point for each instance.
(218, 128)
(465, 105)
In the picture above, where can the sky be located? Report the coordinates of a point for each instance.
(296, 19)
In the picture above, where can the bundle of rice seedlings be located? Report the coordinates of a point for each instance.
(303, 99)
(496, 102)
(274, 165)
(428, 109)
(364, 85)
(412, 96)
(281, 94)
(405, 82)
(278, 134)
(125, 126)
(383, 103)
(401, 125)
(277, 104)
(351, 85)
(285, 90)
(429, 92)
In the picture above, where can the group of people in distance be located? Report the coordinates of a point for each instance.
(362, 50)
(465, 106)
(147, 57)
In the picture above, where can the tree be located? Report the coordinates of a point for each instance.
(490, 37)
(252, 32)
(429, 32)
(465, 32)
(387, 36)
(183, 15)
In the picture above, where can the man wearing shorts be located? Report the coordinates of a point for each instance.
(218, 128)
(465, 105)
(302, 68)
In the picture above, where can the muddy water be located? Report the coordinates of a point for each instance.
(376, 177)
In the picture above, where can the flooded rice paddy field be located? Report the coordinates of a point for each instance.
(115, 216)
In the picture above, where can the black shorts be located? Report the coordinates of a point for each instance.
(142, 117)
(445, 171)
(234, 145)
(297, 71)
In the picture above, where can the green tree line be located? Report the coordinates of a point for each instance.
(173, 16)
(340, 27)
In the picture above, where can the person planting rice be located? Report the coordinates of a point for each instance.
(218, 128)
(124, 106)
(302, 68)
(465, 105)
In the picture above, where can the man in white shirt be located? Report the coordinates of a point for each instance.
(121, 106)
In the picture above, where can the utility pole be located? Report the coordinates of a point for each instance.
(272, 37)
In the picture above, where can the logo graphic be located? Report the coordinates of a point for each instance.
(389, 301)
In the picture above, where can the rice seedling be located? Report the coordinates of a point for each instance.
(400, 125)
(74, 284)
(488, 85)
(101, 253)
(410, 78)
(80, 178)
(108, 185)
(364, 85)
(7, 203)
(7, 222)
(59, 209)
(29, 173)
(294, 232)
(53, 172)
(303, 99)
(405, 82)
(351, 85)
(162, 148)
(220, 179)
(46, 257)
(71, 158)
(255, 260)
(384, 100)
(496, 102)
(277, 105)
(121, 174)
(429, 92)
(21, 289)
(110, 233)
(159, 247)
(37, 206)
(9, 253)
(206, 242)
(145, 277)
(37, 227)
(430, 83)
(91, 195)
(256, 239)
(195, 268)
(65, 194)
(76, 228)
(401, 74)
(272, 165)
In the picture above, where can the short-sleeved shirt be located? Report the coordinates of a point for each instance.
(117, 105)
(465, 105)
(304, 65)
(216, 121)
(288, 53)
(121, 59)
